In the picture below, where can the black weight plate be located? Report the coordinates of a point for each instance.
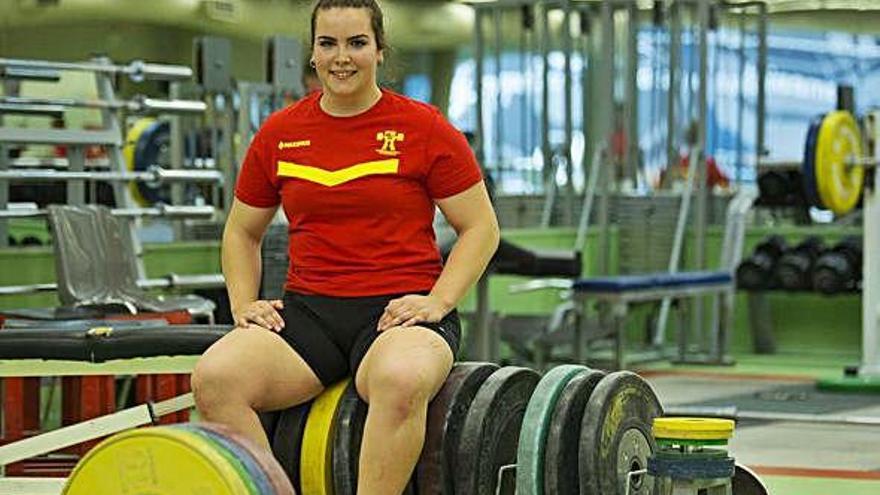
(348, 431)
(561, 452)
(287, 441)
(808, 168)
(269, 420)
(616, 437)
(148, 152)
(746, 482)
(351, 414)
(490, 436)
(435, 473)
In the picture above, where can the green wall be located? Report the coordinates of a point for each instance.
(803, 323)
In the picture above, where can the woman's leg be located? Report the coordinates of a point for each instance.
(248, 370)
(400, 373)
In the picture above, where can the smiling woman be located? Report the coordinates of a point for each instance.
(359, 171)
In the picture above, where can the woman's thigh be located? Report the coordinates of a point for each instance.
(257, 365)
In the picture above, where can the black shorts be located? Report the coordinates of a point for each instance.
(332, 334)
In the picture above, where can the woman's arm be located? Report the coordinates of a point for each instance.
(241, 260)
(471, 215)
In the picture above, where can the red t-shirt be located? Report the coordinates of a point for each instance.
(358, 192)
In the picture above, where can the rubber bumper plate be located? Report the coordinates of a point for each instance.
(435, 473)
(490, 436)
(535, 426)
(561, 469)
(316, 474)
(746, 482)
(270, 470)
(157, 460)
(616, 435)
(287, 440)
(348, 431)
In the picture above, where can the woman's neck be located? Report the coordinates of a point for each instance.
(348, 106)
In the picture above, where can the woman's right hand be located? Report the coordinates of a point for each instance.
(264, 313)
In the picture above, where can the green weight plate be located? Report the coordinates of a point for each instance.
(249, 470)
(616, 435)
(287, 440)
(746, 482)
(535, 426)
(274, 474)
(436, 470)
(490, 435)
(561, 469)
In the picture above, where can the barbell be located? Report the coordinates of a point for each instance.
(137, 70)
(834, 164)
(138, 104)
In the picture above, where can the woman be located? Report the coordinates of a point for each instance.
(358, 171)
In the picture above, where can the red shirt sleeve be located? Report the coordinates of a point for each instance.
(453, 167)
(254, 185)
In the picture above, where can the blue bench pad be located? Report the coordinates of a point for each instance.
(626, 283)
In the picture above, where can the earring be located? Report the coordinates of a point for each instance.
(312, 64)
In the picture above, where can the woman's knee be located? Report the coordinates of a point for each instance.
(401, 388)
(214, 384)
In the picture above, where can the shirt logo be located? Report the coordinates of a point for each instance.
(389, 141)
(283, 145)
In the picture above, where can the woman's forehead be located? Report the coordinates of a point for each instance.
(349, 21)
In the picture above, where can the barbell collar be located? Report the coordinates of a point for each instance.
(154, 106)
(184, 175)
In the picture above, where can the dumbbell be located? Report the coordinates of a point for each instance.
(756, 271)
(840, 268)
(795, 266)
(778, 187)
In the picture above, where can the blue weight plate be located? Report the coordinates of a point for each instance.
(256, 477)
(808, 168)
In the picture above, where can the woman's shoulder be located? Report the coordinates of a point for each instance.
(410, 105)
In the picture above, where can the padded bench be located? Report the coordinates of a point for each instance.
(619, 292)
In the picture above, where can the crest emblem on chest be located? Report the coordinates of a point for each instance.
(389, 140)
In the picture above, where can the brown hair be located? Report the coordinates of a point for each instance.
(376, 17)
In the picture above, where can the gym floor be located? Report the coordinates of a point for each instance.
(793, 458)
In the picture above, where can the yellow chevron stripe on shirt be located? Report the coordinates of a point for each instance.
(334, 178)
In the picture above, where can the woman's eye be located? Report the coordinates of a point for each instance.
(325, 43)
(359, 43)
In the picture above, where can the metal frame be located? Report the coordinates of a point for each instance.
(870, 365)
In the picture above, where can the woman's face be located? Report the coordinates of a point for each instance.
(345, 52)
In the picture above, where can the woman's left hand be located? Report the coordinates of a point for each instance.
(410, 310)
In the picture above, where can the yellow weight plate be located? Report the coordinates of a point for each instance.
(838, 183)
(128, 149)
(156, 461)
(316, 462)
(692, 428)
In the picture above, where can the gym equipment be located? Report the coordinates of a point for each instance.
(794, 267)
(809, 164)
(691, 458)
(490, 436)
(139, 104)
(316, 469)
(839, 269)
(137, 70)
(530, 456)
(756, 271)
(746, 482)
(561, 468)
(838, 148)
(348, 429)
(615, 438)
(162, 459)
(287, 440)
(436, 470)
